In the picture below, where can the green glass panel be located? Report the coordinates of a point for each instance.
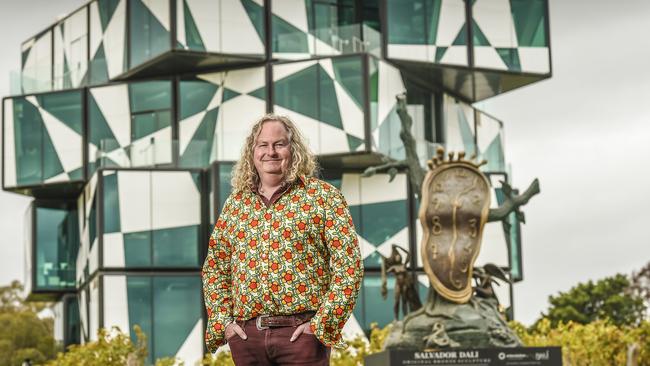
(106, 11)
(65, 106)
(461, 38)
(406, 21)
(195, 96)
(510, 57)
(137, 249)
(329, 105)
(286, 37)
(479, 37)
(440, 52)
(259, 93)
(98, 126)
(140, 303)
(298, 92)
(51, 164)
(76, 174)
(433, 20)
(73, 323)
(192, 35)
(377, 309)
(256, 15)
(514, 233)
(177, 308)
(176, 247)
(146, 123)
(530, 22)
(148, 37)
(98, 67)
(111, 204)
(92, 222)
(354, 142)
(225, 171)
(380, 221)
(228, 94)
(466, 133)
(389, 142)
(348, 73)
(150, 96)
(373, 86)
(57, 243)
(28, 142)
(197, 152)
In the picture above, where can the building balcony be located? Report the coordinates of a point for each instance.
(477, 49)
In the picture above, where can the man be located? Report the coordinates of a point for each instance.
(283, 268)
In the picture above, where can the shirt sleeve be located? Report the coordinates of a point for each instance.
(217, 283)
(346, 273)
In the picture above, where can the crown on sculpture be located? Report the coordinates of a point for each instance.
(440, 159)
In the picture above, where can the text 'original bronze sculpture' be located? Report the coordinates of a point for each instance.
(455, 206)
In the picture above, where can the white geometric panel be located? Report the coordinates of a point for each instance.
(113, 102)
(351, 114)
(207, 19)
(390, 85)
(160, 10)
(282, 70)
(116, 303)
(238, 34)
(63, 177)
(455, 55)
(72, 43)
(376, 189)
(95, 29)
(152, 149)
(67, 142)
(236, 117)
(293, 12)
(134, 200)
(175, 200)
(93, 256)
(350, 188)
(94, 308)
(191, 351)
(494, 18)
(486, 56)
(414, 52)
(9, 160)
(451, 20)
(326, 64)
(216, 99)
(114, 41)
(186, 129)
(534, 59)
(365, 247)
(332, 140)
(488, 129)
(113, 250)
(245, 80)
(180, 24)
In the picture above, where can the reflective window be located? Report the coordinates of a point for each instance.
(149, 34)
(57, 243)
(166, 308)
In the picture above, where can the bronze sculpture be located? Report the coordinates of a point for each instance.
(454, 196)
(405, 292)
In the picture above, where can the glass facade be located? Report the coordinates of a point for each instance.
(157, 123)
(55, 248)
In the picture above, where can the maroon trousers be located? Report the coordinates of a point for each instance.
(272, 347)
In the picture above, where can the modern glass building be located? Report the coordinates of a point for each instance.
(132, 113)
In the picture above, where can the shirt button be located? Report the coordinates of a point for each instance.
(264, 256)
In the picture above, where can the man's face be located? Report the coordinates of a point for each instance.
(272, 153)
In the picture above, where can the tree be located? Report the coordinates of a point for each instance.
(640, 283)
(607, 299)
(24, 335)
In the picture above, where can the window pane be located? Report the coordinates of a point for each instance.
(149, 37)
(28, 130)
(176, 247)
(150, 96)
(140, 304)
(111, 204)
(137, 249)
(406, 22)
(176, 310)
(57, 242)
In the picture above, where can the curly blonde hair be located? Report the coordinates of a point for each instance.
(303, 162)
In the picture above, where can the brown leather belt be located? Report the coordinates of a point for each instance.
(270, 321)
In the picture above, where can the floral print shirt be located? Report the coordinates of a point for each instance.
(298, 254)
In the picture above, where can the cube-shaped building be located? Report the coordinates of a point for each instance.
(132, 114)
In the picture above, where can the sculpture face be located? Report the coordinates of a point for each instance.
(455, 205)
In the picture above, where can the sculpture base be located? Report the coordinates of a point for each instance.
(529, 356)
(441, 324)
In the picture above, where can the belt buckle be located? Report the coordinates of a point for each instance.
(258, 322)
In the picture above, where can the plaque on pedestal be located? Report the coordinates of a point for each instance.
(518, 356)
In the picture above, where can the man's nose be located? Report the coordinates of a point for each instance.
(271, 150)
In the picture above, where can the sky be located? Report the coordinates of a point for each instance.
(585, 133)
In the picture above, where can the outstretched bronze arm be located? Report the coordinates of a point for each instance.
(513, 203)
